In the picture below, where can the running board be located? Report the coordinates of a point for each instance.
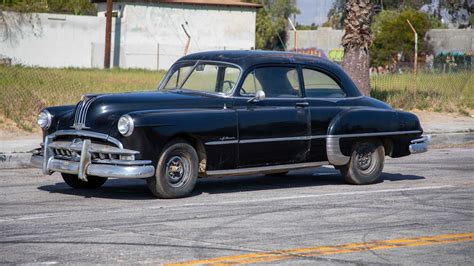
(264, 169)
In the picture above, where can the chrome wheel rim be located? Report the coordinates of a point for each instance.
(365, 159)
(177, 171)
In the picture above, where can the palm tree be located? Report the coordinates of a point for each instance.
(356, 41)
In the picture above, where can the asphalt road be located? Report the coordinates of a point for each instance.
(307, 217)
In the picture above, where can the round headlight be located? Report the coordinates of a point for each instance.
(125, 125)
(44, 119)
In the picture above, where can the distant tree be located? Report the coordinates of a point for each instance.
(392, 35)
(272, 22)
(306, 27)
(75, 7)
(356, 42)
(336, 14)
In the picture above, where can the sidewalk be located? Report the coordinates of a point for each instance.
(446, 129)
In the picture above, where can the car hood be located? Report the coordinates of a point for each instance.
(100, 112)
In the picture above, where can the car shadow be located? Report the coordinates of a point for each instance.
(136, 189)
(302, 178)
(120, 189)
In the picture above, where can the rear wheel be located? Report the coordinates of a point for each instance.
(176, 171)
(366, 163)
(74, 181)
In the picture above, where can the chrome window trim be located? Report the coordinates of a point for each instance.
(196, 62)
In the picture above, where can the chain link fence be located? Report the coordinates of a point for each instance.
(442, 83)
(443, 86)
(24, 91)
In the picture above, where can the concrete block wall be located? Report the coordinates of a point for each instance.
(144, 36)
(442, 40)
(51, 40)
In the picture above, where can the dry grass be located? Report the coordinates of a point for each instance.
(25, 91)
(453, 92)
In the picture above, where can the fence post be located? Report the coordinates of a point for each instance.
(158, 56)
(415, 60)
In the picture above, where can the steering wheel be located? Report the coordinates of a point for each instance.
(230, 82)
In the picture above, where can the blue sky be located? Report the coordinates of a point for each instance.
(313, 11)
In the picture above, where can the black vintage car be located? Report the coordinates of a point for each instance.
(227, 113)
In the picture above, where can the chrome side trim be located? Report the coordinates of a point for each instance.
(264, 169)
(376, 134)
(245, 141)
(83, 133)
(333, 150)
(224, 142)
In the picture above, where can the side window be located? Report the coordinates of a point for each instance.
(274, 81)
(231, 75)
(318, 84)
(250, 86)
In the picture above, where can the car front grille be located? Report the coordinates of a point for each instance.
(71, 150)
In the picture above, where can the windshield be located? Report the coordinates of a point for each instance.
(203, 77)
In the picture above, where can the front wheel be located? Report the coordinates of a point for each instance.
(92, 181)
(366, 163)
(176, 171)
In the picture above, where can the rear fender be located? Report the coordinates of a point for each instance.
(357, 124)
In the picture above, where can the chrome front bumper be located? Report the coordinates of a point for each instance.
(84, 158)
(420, 145)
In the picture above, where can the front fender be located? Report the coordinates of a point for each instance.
(153, 129)
(59, 114)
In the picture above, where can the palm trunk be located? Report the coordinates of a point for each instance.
(356, 64)
(356, 41)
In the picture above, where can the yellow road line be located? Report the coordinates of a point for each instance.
(279, 255)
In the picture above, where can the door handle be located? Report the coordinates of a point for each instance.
(302, 104)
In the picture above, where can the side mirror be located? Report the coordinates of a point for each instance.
(259, 96)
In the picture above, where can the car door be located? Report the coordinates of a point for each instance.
(275, 130)
(326, 98)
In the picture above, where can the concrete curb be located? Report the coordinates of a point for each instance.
(15, 160)
(22, 159)
(452, 138)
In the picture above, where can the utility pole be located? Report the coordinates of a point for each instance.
(415, 60)
(108, 33)
(295, 35)
(188, 42)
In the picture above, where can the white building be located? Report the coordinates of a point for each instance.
(145, 34)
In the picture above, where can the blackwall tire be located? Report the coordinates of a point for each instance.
(366, 163)
(176, 171)
(74, 181)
